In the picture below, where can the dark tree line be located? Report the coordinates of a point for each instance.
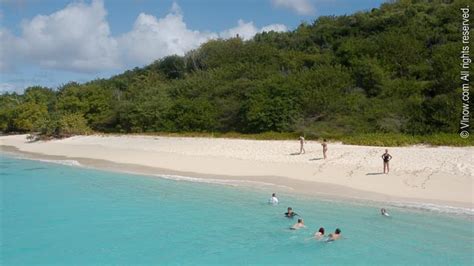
(393, 69)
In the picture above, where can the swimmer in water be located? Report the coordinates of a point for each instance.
(290, 213)
(273, 200)
(298, 225)
(320, 234)
(384, 212)
(335, 236)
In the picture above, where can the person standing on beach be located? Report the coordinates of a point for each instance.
(386, 157)
(302, 142)
(325, 148)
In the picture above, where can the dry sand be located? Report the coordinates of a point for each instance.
(435, 175)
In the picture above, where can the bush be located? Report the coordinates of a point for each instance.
(72, 124)
(388, 140)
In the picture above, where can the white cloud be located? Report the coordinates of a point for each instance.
(74, 38)
(153, 38)
(302, 7)
(274, 27)
(77, 38)
(246, 30)
(7, 87)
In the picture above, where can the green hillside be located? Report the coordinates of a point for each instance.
(393, 70)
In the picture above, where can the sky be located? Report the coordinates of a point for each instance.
(51, 42)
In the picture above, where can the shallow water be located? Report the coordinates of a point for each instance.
(58, 214)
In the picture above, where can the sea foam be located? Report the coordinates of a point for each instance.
(434, 208)
(229, 182)
(62, 162)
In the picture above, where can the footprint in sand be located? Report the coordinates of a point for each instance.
(419, 179)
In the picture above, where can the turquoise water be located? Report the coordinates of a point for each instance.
(56, 214)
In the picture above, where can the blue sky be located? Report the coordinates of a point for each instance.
(51, 42)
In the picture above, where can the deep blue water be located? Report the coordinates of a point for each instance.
(57, 214)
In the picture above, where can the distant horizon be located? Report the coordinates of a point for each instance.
(42, 43)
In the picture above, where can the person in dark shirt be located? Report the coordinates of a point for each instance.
(290, 213)
(386, 157)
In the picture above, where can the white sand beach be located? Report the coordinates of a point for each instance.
(437, 175)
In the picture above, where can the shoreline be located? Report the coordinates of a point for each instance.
(422, 175)
(269, 184)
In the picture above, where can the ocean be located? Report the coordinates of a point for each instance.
(61, 213)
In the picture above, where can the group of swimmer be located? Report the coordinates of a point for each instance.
(320, 234)
(386, 157)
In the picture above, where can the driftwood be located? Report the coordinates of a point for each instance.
(32, 137)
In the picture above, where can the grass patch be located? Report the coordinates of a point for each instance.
(228, 135)
(372, 139)
(394, 140)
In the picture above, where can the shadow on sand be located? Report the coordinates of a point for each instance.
(295, 153)
(374, 174)
(315, 159)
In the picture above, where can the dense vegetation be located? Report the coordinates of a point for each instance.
(392, 70)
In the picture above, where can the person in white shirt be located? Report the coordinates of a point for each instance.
(273, 199)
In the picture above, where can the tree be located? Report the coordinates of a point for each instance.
(390, 69)
(29, 117)
(72, 124)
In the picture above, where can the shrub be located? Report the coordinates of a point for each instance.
(72, 124)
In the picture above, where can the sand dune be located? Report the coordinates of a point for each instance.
(418, 173)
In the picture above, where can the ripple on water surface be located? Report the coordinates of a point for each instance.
(70, 215)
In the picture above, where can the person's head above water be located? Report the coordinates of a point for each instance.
(274, 195)
(338, 231)
(290, 213)
(383, 210)
(300, 221)
(321, 230)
